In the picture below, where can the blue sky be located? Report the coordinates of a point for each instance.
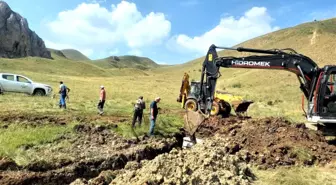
(167, 31)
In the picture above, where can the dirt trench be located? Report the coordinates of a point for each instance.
(271, 142)
(94, 150)
(29, 120)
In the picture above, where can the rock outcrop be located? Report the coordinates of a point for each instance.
(16, 39)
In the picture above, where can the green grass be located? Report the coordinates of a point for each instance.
(296, 176)
(17, 136)
(165, 124)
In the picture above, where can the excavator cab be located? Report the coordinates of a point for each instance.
(324, 104)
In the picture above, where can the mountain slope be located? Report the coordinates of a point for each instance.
(56, 53)
(127, 61)
(73, 54)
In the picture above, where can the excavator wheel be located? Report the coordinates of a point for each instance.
(215, 109)
(225, 108)
(191, 105)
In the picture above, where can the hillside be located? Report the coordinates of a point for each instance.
(74, 55)
(55, 52)
(61, 65)
(127, 61)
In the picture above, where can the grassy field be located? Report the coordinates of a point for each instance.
(296, 176)
(122, 91)
(274, 93)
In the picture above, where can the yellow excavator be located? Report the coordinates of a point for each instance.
(223, 102)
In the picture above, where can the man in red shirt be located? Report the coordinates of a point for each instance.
(102, 98)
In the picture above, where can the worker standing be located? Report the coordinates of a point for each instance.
(139, 106)
(102, 99)
(63, 91)
(153, 115)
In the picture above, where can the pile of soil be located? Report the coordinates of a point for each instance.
(271, 142)
(205, 163)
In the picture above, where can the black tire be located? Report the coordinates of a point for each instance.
(191, 105)
(225, 109)
(39, 92)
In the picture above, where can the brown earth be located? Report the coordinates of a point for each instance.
(205, 163)
(91, 150)
(271, 142)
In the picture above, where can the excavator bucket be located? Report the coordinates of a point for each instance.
(192, 120)
(240, 107)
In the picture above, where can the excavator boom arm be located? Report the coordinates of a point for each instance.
(305, 68)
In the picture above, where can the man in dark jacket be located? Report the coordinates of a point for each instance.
(138, 110)
(63, 91)
(153, 115)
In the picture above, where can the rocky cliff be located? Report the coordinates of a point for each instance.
(16, 39)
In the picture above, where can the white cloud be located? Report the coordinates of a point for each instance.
(87, 52)
(96, 1)
(53, 45)
(135, 52)
(230, 31)
(94, 26)
(149, 30)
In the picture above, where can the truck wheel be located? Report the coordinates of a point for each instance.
(39, 92)
(215, 109)
(191, 105)
(225, 108)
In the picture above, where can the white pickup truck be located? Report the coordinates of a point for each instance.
(21, 84)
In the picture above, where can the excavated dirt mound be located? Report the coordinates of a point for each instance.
(271, 142)
(206, 163)
(91, 150)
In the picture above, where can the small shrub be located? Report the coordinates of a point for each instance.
(237, 85)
